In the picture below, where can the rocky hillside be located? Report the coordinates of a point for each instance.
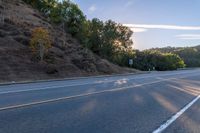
(67, 58)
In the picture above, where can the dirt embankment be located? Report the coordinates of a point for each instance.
(67, 58)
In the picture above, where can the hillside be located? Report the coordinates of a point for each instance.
(190, 55)
(67, 57)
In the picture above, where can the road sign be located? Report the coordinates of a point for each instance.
(130, 62)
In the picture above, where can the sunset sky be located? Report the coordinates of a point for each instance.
(156, 23)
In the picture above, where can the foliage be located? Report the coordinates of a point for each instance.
(64, 12)
(148, 60)
(109, 39)
(190, 55)
(94, 36)
(40, 41)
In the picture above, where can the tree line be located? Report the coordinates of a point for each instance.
(190, 55)
(109, 40)
(155, 60)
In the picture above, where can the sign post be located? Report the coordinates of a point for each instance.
(130, 62)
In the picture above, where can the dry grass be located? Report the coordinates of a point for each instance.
(68, 59)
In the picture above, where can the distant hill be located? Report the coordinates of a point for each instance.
(16, 59)
(190, 55)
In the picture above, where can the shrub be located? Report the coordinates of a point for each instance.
(40, 41)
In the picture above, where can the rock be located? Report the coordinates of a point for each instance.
(84, 64)
(50, 69)
(69, 41)
(14, 33)
(57, 52)
(21, 39)
(2, 33)
(27, 33)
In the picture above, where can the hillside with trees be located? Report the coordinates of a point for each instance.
(106, 39)
(37, 45)
(190, 55)
(109, 40)
(156, 60)
(41, 39)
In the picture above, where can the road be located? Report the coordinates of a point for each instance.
(167, 102)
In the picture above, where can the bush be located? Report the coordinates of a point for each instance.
(40, 41)
(146, 60)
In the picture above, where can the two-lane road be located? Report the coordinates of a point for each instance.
(155, 102)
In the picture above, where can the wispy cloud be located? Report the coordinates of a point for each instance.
(189, 36)
(136, 30)
(164, 27)
(128, 3)
(92, 8)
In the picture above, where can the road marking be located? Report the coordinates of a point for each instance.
(80, 95)
(53, 87)
(50, 87)
(85, 94)
(176, 116)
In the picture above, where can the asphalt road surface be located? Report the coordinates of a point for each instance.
(167, 102)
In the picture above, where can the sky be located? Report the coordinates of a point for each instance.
(155, 23)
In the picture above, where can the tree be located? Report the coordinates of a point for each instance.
(40, 41)
(190, 55)
(75, 21)
(108, 39)
(94, 36)
(146, 60)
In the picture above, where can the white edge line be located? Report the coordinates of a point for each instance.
(80, 95)
(176, 116)
(52, 87)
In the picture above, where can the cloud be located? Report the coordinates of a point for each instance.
(92, 8)
(128, 3)
(164, 27)
(136, 30)
(188, 36)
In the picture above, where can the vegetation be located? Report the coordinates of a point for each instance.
(109, 39)
(150, 60)
(40, 42)
(63, 13)
(190, 55)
